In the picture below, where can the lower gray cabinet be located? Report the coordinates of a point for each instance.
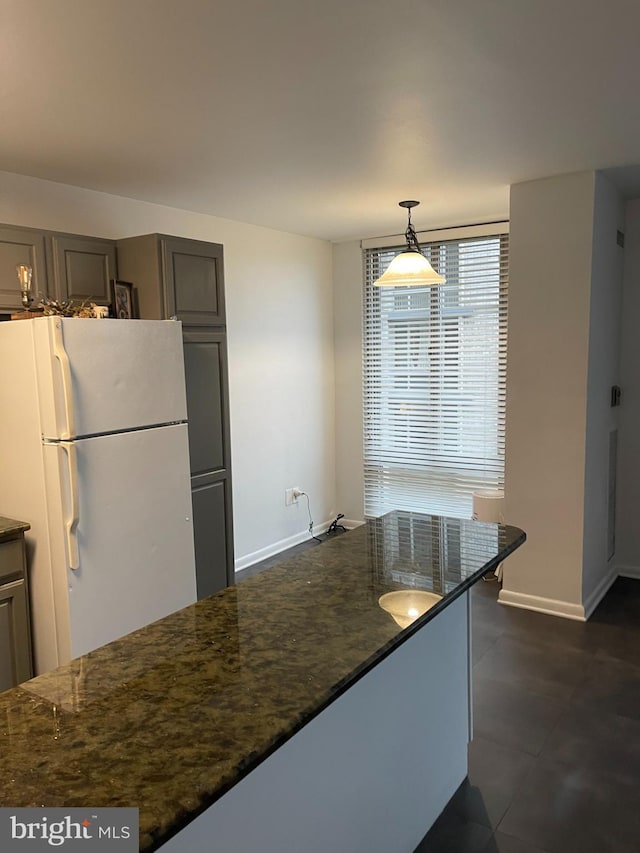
(210, 525)
(15, 646)
(15, 629)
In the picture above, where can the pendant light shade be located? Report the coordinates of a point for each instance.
(410, 267)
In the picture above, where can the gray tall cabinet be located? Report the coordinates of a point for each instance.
(181, 278)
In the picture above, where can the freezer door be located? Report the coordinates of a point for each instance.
(123, 506)
(100, 376)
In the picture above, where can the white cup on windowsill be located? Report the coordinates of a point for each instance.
(101, 311)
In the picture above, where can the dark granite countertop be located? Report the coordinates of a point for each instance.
(9, 527)
(170, 717)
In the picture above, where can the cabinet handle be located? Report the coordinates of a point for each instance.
(71, 521)
(65, 371)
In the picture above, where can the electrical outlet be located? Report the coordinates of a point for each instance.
(291, 495)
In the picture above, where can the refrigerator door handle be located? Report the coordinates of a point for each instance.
(71, 521)
(65, 370)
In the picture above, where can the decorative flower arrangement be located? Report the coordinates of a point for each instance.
(66, 308)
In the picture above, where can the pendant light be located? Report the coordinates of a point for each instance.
(410, 267)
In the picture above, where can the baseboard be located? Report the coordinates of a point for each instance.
(276, 547)
(552, 606)
(628, 571)
(282, 544)
(555, 607)
(350, 523)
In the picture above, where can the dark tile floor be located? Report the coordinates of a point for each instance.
(554, 766)
(555, 761)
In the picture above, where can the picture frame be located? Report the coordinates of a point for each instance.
(122, 300)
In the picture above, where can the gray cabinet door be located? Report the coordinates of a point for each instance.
(205, 366)
(83, 268)
(15, 649)
(205, 361)
(211, 533)
(20, 246)
(194, 280)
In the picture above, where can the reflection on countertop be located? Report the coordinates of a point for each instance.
(170, 717)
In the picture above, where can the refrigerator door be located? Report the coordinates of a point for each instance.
(102, 376)
(121, 509)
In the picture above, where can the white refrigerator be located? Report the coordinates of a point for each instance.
(94, 455)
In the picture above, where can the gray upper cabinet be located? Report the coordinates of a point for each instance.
(83, 267)
(21, 246)
(175, 277)
(194, 281)
(65, 266)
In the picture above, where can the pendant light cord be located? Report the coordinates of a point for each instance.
(410, 235)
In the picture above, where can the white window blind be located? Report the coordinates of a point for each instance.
(434, 380)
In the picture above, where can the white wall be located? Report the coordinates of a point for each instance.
(280, 338)
(565, 296)
(607, 261)
(549, 292)
(628, 513)
(347, 299)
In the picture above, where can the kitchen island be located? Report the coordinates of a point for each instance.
(288, 713)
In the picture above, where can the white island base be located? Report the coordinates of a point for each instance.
(370, 773)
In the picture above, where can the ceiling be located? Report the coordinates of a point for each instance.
(318, 116)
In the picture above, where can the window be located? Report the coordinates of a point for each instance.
(434, 380)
